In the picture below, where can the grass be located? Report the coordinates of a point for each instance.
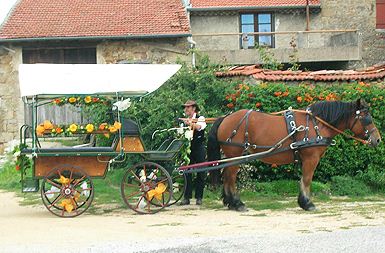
(9, 177)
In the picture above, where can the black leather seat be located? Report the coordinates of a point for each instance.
(130, 127)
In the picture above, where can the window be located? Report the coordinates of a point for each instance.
(380, 14)
(259, 22)
(60, 55)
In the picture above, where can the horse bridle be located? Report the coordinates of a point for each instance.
(365, 120)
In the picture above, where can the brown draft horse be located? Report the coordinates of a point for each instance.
(266, 130)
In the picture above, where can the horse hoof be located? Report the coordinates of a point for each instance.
(241, 209)
(305, 203)
(310, 207)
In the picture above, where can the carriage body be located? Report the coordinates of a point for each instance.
(66, 173)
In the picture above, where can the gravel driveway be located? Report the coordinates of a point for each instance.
(344, 227)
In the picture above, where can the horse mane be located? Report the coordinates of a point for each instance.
(333, 112)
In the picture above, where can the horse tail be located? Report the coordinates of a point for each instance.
(213, 148)
(214, 152)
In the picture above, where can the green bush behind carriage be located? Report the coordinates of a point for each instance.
(221, 96)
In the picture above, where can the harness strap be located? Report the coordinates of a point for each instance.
(291, 127)
(326, 124)
(325, 141)
(235, 131)
(242, 145)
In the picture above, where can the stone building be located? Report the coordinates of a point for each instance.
(322, 34)
(337, 34)
(91, 31)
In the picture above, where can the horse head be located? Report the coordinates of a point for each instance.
(362, 124)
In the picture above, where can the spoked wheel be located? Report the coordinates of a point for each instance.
(146, 188)
(67, 191)
(178, 186)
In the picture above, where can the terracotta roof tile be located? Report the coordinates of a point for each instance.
(375, 72)
(74, 18)
(249, 3)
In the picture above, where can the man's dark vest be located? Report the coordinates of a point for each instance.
(198, 137)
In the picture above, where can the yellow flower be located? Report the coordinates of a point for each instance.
(88, 99)
(73, 128)
(47, 124)
(117, 125)
(72, 100)
(157, 192)
(67, 205)
(40, 130)
(90, 128)
(113, 129)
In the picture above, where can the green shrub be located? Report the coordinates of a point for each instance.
(9, 177)
(374, 177)
(344, 185)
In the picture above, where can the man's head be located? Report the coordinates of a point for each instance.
(190, 107)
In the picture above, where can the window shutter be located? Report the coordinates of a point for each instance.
(380, 14)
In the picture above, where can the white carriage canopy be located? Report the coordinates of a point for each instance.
(61, 79)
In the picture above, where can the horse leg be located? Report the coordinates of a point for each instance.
(308, 167)
(231, 197)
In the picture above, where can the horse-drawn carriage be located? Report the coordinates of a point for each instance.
(67, 189)
(67, 173)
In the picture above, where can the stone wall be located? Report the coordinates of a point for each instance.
(11, 106)
(143, 51)
(213, 24)
(355, 14)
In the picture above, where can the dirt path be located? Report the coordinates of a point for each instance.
(33, 227)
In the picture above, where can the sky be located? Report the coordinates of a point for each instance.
(5, 6)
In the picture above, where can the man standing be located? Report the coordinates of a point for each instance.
(197, 124)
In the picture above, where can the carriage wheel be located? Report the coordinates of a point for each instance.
(67, 191)
(146, 188)
(178, 186)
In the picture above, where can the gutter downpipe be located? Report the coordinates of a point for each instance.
(192, 47)
(307, 16)
(190, 40)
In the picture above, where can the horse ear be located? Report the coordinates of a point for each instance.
(361, 103)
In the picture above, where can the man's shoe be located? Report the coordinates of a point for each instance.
(199, 202)
(184, 202)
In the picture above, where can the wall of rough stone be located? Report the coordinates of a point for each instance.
(11, 107)
(213, 24)
(355, 14)
(145, 51)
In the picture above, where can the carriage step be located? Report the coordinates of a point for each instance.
(30, 185)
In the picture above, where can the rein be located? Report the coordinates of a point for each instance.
(326, 124)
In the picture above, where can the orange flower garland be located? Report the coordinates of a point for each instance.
(48, 127)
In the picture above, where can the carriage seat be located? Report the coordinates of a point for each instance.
(168, 153)
(130, 127)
